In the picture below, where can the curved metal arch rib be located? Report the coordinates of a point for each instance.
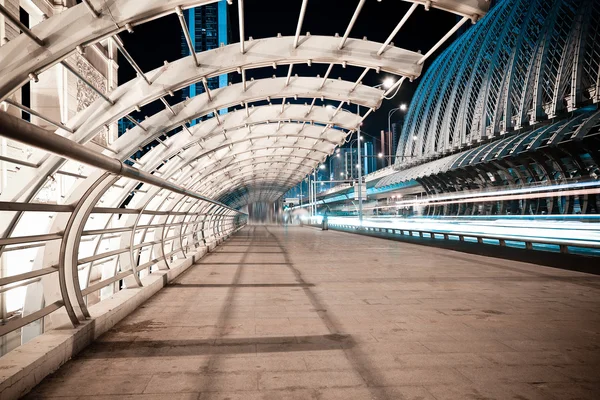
(87, 123)
(307, 149)
(325, 138)
(483, 99)
(282, 184)
(291, 177)
(230, 162)
(234, 121)
(328, 135)
(260, 53)
(267, 148)
(253, 166)
(165, 121)
(252, 163)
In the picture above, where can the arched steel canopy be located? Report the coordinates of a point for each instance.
(78, 26)
(547, 67)
(121, 215)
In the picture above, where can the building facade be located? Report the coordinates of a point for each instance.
(57, 94)
(209, 29)
(343, 165)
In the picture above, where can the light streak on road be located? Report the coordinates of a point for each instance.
(584, 232)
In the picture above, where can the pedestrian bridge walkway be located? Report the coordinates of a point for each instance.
(300, 313)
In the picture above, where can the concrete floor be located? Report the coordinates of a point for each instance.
(298, 313)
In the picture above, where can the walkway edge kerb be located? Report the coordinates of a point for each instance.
(25, 367)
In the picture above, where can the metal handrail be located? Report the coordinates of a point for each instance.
(502, 239)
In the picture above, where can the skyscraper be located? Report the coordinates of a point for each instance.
(209, 28)
(369, 160)
(396, 131)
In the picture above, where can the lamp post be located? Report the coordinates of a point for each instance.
(337, 155)
(351, 173)
(387, 83)
(314, 191)
(321, 167)
(360, 203)
(402, 107)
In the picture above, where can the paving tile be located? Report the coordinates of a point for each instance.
(531, 358)
(287, 394)
(580, 373)
(284, 380)
(504, 374)
(201, 382)
(91, 386)
(574, 391)
(488, 346)
(273, 362)
(376, 393)
(477, 391)
(441, 360)
(174, 396)
(412, 376)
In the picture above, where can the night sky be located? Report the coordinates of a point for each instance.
(160, 40)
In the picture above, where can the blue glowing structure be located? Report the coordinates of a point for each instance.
(526, 62)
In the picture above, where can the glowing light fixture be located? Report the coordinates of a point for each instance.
(388, 83)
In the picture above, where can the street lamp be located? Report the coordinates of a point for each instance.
(359, 155)
(402, 107)
(360, 202)
(388, 83)
(337, 155)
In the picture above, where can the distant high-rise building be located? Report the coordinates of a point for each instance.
(345, 165)
(396, 131)
(209, 28)
(369, 160)
(350, 157)
(124, 126)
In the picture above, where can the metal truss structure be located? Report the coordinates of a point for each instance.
(513, 102)
(125, 216)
